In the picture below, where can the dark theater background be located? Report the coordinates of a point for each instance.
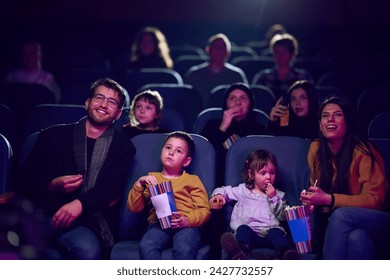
(347, 36)
(344, 29)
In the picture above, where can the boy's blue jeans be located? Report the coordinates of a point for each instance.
(185, 242)
(356, 233)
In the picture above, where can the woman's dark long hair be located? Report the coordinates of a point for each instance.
(343, 159)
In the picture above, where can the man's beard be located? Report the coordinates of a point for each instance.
(97, 122)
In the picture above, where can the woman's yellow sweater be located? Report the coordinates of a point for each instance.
(368, 188)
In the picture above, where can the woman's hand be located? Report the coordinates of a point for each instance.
(228, 116)
(316, 196)
(277, 111)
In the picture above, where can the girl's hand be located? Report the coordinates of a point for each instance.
(270, 190)
(217, 201)
(179, 221)
(277, 111)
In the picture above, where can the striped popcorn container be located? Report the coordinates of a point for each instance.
(163, 202)
(298, 218)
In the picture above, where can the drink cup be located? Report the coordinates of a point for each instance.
(284, 119)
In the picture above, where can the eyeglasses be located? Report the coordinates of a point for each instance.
(99, 99)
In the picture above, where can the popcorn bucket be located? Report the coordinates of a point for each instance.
(298, 218)
(163, 201)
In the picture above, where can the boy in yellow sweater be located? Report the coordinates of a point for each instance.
(191, 199)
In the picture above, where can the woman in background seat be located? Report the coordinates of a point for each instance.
(236, 122)
(150, 50)
(301, 108)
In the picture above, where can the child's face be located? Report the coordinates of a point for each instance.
(174, 155)
(264, 176)
(299, 102)
(145, 113)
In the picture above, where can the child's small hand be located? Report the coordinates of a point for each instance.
(146, 180)
(179, 221)
(217, 201)
(270, 190)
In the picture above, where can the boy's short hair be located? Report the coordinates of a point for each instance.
(185, 137)
(150, 96)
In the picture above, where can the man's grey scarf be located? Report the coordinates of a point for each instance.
(91, 172)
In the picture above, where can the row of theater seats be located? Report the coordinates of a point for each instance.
(182, 111)
(45, 115)
(76, 68)
(349, 85)
(291, 153)
(251, 65)
(73, 60)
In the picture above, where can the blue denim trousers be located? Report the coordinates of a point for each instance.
(185, 242)
(275, 239)
(74, 243)
(356, 234)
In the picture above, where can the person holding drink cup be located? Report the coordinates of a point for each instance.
(295, 114)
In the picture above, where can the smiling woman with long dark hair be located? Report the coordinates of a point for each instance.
(351, 179)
